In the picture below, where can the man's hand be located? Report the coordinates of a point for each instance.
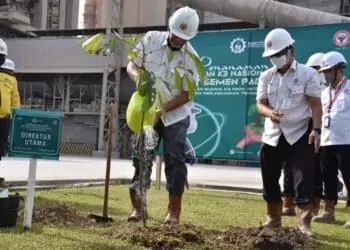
(315, 139)
(158, 116)
(275, 116)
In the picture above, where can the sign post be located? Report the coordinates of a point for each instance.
(35, 135)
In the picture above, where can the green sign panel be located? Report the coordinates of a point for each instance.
(35, 134)
(228, 124)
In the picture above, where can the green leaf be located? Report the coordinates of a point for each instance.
(202, 72)
(93, 43)
(99, 51)
(178, 79)
(132, 40)
(192, 88)
(146, 82)
(112, 44)
(149, 100)
(170, 54)
(133, 54)
(161, 104)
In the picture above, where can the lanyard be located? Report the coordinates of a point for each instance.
(336, 93)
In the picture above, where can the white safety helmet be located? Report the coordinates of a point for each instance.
(3, 48)
(315, 60)
(8, 64)
(184, 23)
(332, 59)
(276, 41)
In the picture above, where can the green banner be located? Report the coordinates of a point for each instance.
(228, 125)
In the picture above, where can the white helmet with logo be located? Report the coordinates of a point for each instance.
(8, 64)
(332, 59)
(3, 48)
(184, 23)
(276, 41)
(315, 60)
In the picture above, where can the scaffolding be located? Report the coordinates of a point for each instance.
(111, 78)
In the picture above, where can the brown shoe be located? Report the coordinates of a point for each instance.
(136, 214)
(174, 210)
(347, 225)
(274, 213)
(288, 207)
(316, 208)
(328, 214)
(304, 218)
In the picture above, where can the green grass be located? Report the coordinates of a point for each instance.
(209, 209)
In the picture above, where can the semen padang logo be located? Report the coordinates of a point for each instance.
(238, 45)
(341, 38)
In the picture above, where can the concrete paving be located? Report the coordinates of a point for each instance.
(73, 168)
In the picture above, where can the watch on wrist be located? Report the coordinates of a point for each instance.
(318, 130)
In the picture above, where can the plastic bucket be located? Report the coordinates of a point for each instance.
(134, 114)
(9, 211)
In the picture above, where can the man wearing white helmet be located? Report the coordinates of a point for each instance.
(314, 62)
(3, 51)
(335, 137)
(9, 99)
(288, 95)
(153, 52)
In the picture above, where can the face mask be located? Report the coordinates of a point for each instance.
(329, 77)
(279, 62)
(173, 45)
(322, 78)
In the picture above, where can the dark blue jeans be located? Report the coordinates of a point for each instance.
(174, 140)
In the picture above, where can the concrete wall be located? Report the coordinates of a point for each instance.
(75, 131)
(53, 55)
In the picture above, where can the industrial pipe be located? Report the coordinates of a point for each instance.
(274, 13)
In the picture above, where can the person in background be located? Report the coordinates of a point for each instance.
(172, 128)
(335, 137)
(288, 95)
(8, 68)
(314, 61)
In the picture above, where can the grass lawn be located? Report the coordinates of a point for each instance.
(205, 209)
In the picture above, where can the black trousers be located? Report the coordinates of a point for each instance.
(299, 158)
(288, 181)
(174, 149)
(5, 124)
(333, 159)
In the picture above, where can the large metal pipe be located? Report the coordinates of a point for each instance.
(274, 13)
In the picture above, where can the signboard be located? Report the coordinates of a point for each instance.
(228, 124)
(35, 134)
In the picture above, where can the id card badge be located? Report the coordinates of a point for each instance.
(327, 121)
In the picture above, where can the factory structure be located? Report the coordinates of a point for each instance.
(54, 74)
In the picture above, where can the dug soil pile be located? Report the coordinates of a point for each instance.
(188, 236)
(58, 215)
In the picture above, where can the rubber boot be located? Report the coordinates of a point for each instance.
(347, 225)
(304, 218)
(328, 214)
(274, 213)
(136, 214)
(288, 207)
(174, 210)
(316, 208)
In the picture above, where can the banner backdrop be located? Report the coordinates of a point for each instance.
(226, 124)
